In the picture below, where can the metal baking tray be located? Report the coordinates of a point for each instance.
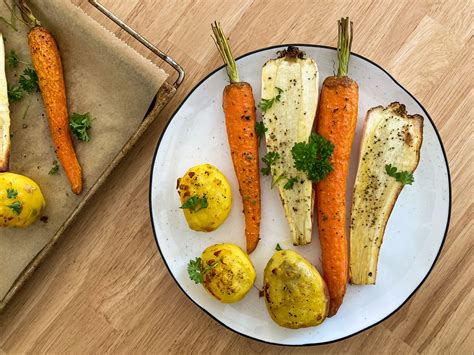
(162, 97)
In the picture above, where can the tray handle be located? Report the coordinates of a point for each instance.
(143, 41)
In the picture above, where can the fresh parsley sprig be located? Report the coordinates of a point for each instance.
(313, 157)
(28, 80)
(195, 203)
(196, 271)
(269, 159)
(80, 125)
(15, 93)
(404, 177)
(266, 104)
(12, 59)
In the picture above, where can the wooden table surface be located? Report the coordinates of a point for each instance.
(105, 287)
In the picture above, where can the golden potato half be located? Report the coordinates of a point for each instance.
(205, 184)
(21, 200)
(295, 293)
(230, 274)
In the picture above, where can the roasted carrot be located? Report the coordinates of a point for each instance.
(336, 121)
(47, 63)
(240, 118)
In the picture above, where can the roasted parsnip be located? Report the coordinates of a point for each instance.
(392, 140)
(289, 101)
(4, 113)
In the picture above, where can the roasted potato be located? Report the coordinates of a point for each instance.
(206, 197)
(21, 200)
(228, 272)
(295, 293)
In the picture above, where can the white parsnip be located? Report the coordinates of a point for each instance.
(391, 137)
(291, 82)
(4, 113)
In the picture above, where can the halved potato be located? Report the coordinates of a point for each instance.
(21, 200)
(210, 188)
(295, 293)
(230, 274)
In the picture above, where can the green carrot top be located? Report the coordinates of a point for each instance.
(344, 44)
(27, 14)
(223, 46)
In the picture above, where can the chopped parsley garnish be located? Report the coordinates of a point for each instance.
(404, 177)
(80, 125)
(278, 247)
(54, 169)
(12, 193)
(313, 157)
(196, 272)
(15, 93)
(290, 183)
(266, 104)
(12, 59)
(29, 80)
(195, 203)
(16, 206)
(260, 130)
(269, 159)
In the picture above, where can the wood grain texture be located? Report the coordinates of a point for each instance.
(105, 287)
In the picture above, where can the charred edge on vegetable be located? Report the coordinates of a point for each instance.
(291, 52)
(401, 110)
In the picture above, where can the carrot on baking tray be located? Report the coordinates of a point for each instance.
(47, 63)
(240, 117)
(336, 121)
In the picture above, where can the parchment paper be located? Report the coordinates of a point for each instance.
(103, 76)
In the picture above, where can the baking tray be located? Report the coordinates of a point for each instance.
(162, 97)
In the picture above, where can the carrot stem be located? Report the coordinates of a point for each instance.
(344, 44)
(27, 14)
(222, 44)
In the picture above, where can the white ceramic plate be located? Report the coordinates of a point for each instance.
(413, 239)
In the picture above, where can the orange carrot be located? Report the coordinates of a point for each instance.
(336, 121)
(47, 63)
(240, 117)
